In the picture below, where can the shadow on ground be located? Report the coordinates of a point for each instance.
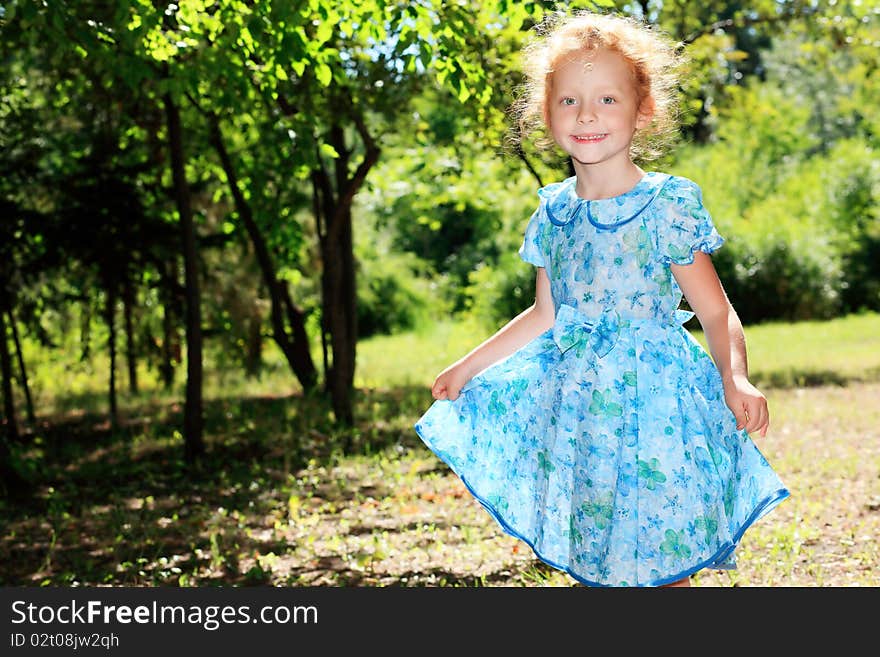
(118, 505)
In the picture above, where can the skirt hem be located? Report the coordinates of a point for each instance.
(720, 555)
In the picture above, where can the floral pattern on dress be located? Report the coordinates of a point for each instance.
(605, 443)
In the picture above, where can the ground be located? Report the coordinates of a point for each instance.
(399, 517)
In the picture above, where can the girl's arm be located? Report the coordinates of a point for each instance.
(724, 334)
(523, 328)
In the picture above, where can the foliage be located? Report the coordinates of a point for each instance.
(457, 209)
(791, 181)
(498, 292)
(855, 210)
(391, 297)
(770, 102)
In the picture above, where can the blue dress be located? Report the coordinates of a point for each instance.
(605, 443)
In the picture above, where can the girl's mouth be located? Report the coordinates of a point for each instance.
(590, 139)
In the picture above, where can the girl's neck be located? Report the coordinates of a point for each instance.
(606, 180)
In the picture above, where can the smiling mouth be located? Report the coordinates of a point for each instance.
(590, 139)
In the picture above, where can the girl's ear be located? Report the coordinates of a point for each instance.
(645, 112)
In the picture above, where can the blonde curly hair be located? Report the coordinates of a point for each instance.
(654, 59)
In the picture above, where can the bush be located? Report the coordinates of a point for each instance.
(805, 247)
(498, 293)
(390, 298)
(854, 210)
(780, 279)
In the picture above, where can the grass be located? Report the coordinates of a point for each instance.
(281, 500)
(780, 354)
(811, 353)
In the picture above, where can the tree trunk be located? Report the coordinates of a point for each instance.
(10, 426)
(85, 329)
(109, 317)
(12, 484)
(294, 342)
(332, 211)
(130, 351)
(338, 306)
(317, 210)
(193, 422)
(339, 318)
(169, 334)
(22, 371)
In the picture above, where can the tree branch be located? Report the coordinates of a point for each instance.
(746, 21)
(521, 154)
(353, 184)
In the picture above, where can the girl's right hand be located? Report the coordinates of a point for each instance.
(450, 381)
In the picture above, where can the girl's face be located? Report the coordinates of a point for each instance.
(593, 108)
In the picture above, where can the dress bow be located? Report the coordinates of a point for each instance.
(573, 329)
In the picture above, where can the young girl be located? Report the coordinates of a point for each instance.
(593, 426)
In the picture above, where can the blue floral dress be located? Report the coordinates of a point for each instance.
(605, 443)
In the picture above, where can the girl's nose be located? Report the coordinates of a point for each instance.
(585, 116)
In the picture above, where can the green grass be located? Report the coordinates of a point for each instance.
(415, 358)
(780, 354)
(810, 353)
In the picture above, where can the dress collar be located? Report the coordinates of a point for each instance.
(563, 204)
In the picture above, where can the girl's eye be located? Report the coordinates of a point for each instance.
(568, 100)
(607, 100)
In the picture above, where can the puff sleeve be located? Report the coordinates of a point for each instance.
(686, 226)
(531, 251)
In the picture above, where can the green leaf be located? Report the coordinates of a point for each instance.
(323, 74)
(425, 54)
(324, 31)
(463, 91)
(328, 151)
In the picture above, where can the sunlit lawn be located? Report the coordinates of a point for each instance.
(779, 353)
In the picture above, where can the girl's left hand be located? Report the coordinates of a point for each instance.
(749, 406)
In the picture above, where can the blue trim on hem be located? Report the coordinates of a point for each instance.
(766, 505)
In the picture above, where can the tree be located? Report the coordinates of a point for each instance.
(325, 81)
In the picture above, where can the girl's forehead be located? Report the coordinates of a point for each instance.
(589, 66)
(587, 61)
